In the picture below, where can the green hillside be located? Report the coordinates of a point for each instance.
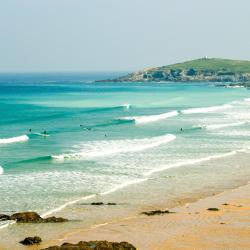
(199, 70)
(211, 64)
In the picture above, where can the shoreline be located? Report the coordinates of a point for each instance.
(192, 185)
(186, 226)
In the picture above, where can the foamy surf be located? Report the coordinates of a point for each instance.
(150, 118)
(6, 224)
(40, 134)
(1, 170)
(206, 109)
(67, 204)
(95, 149)
(223, 125)
(126, 105)
(121, 186)
(21, 138)
(92, 196)
(194, 161)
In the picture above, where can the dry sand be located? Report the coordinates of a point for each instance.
(191, 227)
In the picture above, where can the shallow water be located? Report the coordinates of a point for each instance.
(103, 137)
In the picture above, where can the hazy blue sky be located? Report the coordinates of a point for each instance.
(90, 35)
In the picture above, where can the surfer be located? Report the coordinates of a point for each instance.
(45, 132)
(181, 129)
(30, 130)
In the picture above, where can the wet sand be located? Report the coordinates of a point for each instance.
(191, 226)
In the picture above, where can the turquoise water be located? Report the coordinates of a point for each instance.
(105, 136)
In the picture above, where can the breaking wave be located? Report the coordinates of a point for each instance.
(21, 138)
(206, 109)
(106, 148)
(150, 118)
(126, 105)
(223, 125)
(195, 161)
(1, 170)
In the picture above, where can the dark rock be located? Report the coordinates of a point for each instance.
(27, 217)
(54, 219)
(111, 204)
(94, 245)
(97, 203)
(225, 204)
(157, 212)
(213, 209)
(31, 240)
(33, 217)
(4, 217)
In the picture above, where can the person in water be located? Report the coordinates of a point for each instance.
(45, 132)
(181, 129)
(30, 130)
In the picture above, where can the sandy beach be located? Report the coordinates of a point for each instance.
(191, 226)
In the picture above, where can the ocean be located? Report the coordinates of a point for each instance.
(65, 138)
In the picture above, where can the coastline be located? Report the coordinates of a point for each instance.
(192, 186)
(192, 226)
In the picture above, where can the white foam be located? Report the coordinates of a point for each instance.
(7, 224)
(91, 196)
(224, 125)
(95, 149)
(194, 161)
(235, 86)
(21, 138)
(150, 118)
(126, 105)
(40, 134)
(206, 109)
(67, 204)
(1, 170)
(123, 185)
(247, 99)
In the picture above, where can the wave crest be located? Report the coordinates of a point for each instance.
(1, 170)
(223, 125)
(126, 105)
(196, 161)
(21, 138)
(107, 148)
(150, 118)
(206, 109)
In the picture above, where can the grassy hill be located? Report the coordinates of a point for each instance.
(199, 70)
(212, 64)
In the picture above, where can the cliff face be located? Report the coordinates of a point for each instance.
(201, 70)
(190, 75)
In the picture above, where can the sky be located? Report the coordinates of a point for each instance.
(119, 35)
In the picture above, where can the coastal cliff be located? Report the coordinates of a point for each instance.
(199, 70)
